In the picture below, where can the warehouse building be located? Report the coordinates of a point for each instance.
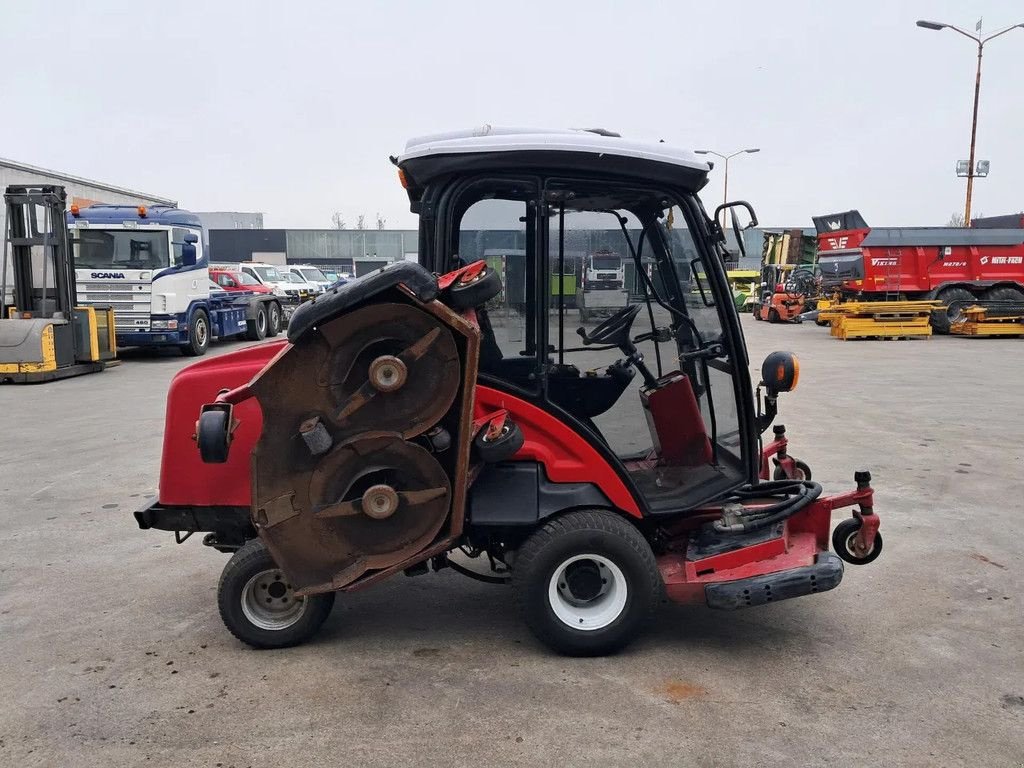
(82, 192)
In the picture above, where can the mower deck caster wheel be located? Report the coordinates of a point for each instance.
(259, 606)
(484, 287)
(212, 436)
(501, 448)
(803, 472)
(844, 539)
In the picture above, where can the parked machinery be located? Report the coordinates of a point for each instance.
(44, 333)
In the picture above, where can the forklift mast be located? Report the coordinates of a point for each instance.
(36, 242)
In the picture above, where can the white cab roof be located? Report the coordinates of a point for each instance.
(488, 138)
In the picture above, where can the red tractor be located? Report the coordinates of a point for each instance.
(406, 419)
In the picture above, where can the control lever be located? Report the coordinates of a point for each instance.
(660, 335)
(707, 352)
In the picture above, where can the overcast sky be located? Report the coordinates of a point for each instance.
(292, 108)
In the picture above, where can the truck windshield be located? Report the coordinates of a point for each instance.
(121, 248)
(612, 263)
(313, 274)
(269, 274)
(244, 278)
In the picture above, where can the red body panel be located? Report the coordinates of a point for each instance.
(919, 269)
(186, 481)
(567, 457)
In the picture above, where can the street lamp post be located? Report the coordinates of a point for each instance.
(934, 25)
(726, 158)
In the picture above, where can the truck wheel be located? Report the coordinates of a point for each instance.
(586, 583)
(257, 327)
(273, 319)
(198, 335)
(943, 318)
(1007, 294)
(259, 606)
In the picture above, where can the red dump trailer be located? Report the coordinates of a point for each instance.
(952, 264)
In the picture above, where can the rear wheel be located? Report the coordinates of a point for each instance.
(257, 326)
(198, 335)
(773, 315)
(273, 318)
(1005, 294)
(259, 605)
(955, 299)
(586, 583)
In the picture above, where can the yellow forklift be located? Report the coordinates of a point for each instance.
(43, 335)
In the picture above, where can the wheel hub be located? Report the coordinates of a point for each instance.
(588, 592)
(583, 580)
(270, 603)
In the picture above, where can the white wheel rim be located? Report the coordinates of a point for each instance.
(269, 602)
(201, 331)
(588, 611)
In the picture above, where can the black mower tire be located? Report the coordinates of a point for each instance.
(198, 335)
(586, 532)
(485, 287)
(844, 533)
(780, 473)
(275, 320)
(941, 319)
(502, 448)
(1005, 293)
(256, 328)
(250, 563)
(212, 436)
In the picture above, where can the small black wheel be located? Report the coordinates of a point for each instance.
(843, 543)
(586, 583)
(198, 335)
(803, 472)
(256, 328)
(501, 448)
(259, 606)
(773, 316)
(273, 319)
(484, 287)
(212, 436)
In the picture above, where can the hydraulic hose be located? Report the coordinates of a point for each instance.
(736, 518)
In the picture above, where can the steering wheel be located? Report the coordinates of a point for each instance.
(615, 330)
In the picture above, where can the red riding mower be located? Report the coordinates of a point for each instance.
(409, 417)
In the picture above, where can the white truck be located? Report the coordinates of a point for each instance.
(150, 265)
(312, 275)
(602, 287)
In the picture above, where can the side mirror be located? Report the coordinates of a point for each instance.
(780, 372)
(188, 253)
(749, 219)
(191, 237)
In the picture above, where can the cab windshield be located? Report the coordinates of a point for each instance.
(269, 274)
(313, 274)
(120, 249)
(607, 263)
(244, 278)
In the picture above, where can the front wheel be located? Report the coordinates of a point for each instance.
(259, 605)
(198, 335)
(586, 583)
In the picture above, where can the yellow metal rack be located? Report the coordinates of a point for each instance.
(976, 322)
(880, 319)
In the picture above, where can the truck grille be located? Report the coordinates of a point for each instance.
(130, 299)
